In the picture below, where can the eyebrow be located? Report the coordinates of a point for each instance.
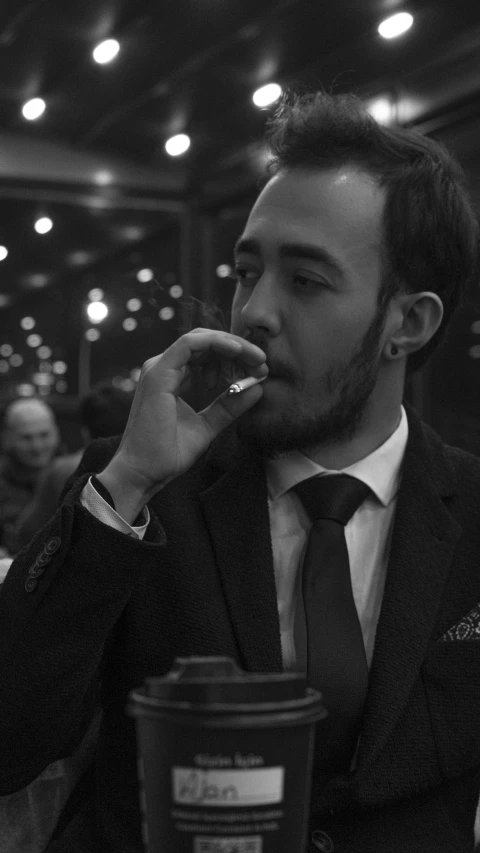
(305, 251)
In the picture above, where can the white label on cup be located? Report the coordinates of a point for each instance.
(192, 786)
(252, 844)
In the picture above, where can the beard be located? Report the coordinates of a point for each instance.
(305, 423)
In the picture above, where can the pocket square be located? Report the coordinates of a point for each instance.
(467, 629)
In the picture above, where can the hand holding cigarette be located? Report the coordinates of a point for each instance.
(164, 436)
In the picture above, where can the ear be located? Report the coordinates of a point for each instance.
(416, 318)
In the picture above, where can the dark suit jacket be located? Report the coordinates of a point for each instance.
(107, 611)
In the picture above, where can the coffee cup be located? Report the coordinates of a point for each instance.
(225, 758)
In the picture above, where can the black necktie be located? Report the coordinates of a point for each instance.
(336, 662)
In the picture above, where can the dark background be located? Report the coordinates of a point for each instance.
(95, 163)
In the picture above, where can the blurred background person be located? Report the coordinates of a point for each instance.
(103, 413)
(30, 440)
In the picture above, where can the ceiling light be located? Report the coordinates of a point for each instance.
(267, 95)
(4, 366)
(43, 225)
(6, 350)
(4, 300)
(27, 323)
(61, 366)
(33, 109)
(134, 304)
(61, 386)
(394, 26)
(95, 294)
(145, 275)
(224, 270)
(97, 311)
(106, 51)
(44, 352)
(16, 360)
(3, 253)
(177, 144)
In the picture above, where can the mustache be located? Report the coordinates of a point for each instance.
(276, 367)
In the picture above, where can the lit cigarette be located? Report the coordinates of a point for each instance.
(243, 384)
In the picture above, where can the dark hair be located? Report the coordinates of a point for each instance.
(104, 411)
(430, 228)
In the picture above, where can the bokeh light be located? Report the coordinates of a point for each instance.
(145, 275)
(92, 335)
(267, 95)
(177, 145)
(106, 51)
(394, 26)
(43, 225)
(34, 341)
(166, 313)
(129, 324)
(27, 323)
(33, 108)
(97, 311)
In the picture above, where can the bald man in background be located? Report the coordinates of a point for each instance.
(30, 440)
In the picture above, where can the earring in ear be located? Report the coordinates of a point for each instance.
(393, 350)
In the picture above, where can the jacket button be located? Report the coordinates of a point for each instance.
(321, 841)
(35, 570)
(52, 545)
(30, 584)
(43, 559)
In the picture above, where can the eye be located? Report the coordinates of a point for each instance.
(244, 275)
(304, 283)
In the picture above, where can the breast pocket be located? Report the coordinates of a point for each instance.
(451, 675)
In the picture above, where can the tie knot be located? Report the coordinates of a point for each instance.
(335, 496)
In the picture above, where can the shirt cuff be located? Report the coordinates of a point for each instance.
(105, 513)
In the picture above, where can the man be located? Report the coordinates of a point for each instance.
(103, 412)
(30, 440)
(188, 537)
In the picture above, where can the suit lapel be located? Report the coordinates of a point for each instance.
(235, 509)
(423, 544)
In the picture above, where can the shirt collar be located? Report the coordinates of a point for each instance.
(380, 470)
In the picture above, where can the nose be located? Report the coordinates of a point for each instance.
(261, 310)
(38, 444)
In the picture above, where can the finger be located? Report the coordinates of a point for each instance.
(216, 370)
(201, 341)
(228, 407)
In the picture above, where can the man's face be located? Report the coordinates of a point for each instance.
(32, 438)
(309, 271)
